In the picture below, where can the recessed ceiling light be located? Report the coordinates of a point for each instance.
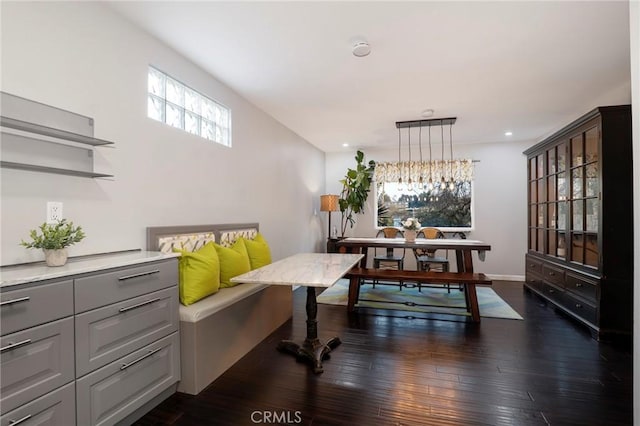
(427, 113)
(508, 133)
(345, 145)
(361, 49)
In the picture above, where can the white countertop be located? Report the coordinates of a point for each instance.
(13, 275)
(304, 269)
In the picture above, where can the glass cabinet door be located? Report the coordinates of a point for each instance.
(537, 205)
(584, 197)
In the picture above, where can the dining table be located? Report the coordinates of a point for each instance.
(463, 248)
(310, 270)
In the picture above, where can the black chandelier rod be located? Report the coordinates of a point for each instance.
(423, 123)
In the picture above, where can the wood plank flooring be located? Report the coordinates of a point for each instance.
(390, 370)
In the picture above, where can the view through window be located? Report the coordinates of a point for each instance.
(440, 208)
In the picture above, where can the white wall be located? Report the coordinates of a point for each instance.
(84, 58)
(500, 191)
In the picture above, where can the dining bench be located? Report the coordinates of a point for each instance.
(218, 330)
(468, 280)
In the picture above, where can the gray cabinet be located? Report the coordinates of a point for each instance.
(106, 334)
(35, 361)
(91, 348)
(111, 393)
(55, 408)
(31, 306)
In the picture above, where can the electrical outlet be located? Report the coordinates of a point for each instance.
(54, 211)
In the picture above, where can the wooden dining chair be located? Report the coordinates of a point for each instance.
(391, 258)
(426, 260)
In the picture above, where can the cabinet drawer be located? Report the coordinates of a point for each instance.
(553, 275)
(111, 393)
(104, 289)
(533, 266)
(35, 361)
(534, 281)
(581, 286)
(26, 307)
(551, 291)
(579, 307)
(57, 408)
(105, 334)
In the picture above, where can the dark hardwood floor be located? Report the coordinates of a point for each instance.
(392, 370)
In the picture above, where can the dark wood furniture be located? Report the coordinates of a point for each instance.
(580, 221)
(463, 248)
(467, 279)
(464, 261)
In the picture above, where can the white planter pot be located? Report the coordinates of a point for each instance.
(410, 235)
(55, 257)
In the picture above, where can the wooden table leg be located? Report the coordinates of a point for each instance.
(464, 262)
(472, 302)
(354, 291)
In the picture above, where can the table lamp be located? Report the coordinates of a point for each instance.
(329, 203)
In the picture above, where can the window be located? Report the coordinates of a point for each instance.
(447, 209)
(177, 105)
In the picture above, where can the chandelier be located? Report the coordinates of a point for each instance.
(431, 174)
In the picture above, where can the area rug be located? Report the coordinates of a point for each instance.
(410, 299)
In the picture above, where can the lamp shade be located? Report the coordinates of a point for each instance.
(329, 203)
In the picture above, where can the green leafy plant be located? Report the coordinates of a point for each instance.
(54, 236)
(355, 190)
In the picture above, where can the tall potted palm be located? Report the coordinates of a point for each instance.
(356, 186)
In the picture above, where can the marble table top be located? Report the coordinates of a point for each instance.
(304, 269)
(14, 275)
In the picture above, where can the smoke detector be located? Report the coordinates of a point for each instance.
(361, 49)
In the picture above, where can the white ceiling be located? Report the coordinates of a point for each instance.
(527, 67)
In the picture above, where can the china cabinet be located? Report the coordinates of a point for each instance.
(580, 220)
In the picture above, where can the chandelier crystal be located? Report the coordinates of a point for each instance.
(422, 174)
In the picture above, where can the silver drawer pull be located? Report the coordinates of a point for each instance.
(15, 345)
(147, 355)
(578, 305)
(551, 290)
(148, 302)
(552, 274)
(13, 301)
(141, 274)
(17, 422)
(578, 284)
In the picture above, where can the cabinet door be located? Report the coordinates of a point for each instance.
(584, 196)
(113, 392)
(57, 408)
(106, 334)
(35, 361)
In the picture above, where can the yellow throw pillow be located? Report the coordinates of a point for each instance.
(199, 274)
(258, 251)
(234, 261)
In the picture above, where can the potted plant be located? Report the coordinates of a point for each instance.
(410, 226)
(53, 239)
(355, 190)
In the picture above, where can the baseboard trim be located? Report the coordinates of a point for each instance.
(506, 277)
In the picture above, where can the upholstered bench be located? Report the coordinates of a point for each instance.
(217, 331)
